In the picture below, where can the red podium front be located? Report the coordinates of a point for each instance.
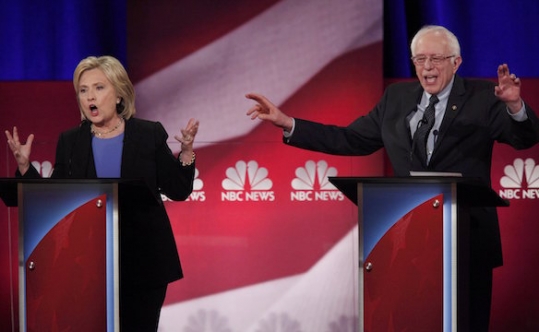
(68, 253)
(413, 252)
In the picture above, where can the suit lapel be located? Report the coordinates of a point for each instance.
(457, 98)
(81, 160)
(454, 104)
(410, 100)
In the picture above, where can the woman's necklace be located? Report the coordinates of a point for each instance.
(101, 134)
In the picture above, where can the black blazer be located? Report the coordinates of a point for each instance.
(148, 253)
(474, 120)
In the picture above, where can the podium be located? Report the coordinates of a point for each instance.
(414, 250)
(68, 253)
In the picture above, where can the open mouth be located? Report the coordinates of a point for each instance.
(93, 109)
(430, 79)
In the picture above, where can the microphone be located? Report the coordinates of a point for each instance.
(435, 132)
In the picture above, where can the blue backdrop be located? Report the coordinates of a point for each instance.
(46, 40)
(490, 32)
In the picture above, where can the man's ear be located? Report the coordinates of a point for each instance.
(456, 63)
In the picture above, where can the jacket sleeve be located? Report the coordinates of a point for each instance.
(31, 173)
(525, 134)
(361, 137)
(173, 179)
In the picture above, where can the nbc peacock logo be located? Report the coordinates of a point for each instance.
(246, 181)
(521, 180)
(44, 168)
(312, 184)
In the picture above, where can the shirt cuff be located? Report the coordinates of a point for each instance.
(289, 134)
(519, 116)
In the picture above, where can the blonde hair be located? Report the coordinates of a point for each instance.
(452, 40)
(116, 74)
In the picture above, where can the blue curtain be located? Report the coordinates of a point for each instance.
(45, 40)
(491, 32)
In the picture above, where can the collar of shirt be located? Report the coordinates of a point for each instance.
(443, 97)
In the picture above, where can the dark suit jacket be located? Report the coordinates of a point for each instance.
(148, 253)
(474, 120)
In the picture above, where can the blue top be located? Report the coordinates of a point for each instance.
(108, 156)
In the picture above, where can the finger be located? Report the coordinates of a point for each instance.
(195, 122)
(8, 136)
(254, 115)
(497, 90)
(187, 136)
(259, 109)
(192, 126)
(183, 140)
(252, 96)
(195, 127)
(259, 98)
(503, 70)
(29, 140)
(15, 134)
(193, 130)
(253, 109)
(191, 123)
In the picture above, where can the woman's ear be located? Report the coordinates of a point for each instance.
(119, 105)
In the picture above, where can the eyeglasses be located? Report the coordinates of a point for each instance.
(419, 60)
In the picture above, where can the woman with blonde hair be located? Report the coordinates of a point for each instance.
(111, 143)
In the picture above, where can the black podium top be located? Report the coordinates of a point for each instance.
(9, 186)
(470, 192)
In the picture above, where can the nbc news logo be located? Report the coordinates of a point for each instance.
(521, 180)
(312, 184)
(247, 182)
